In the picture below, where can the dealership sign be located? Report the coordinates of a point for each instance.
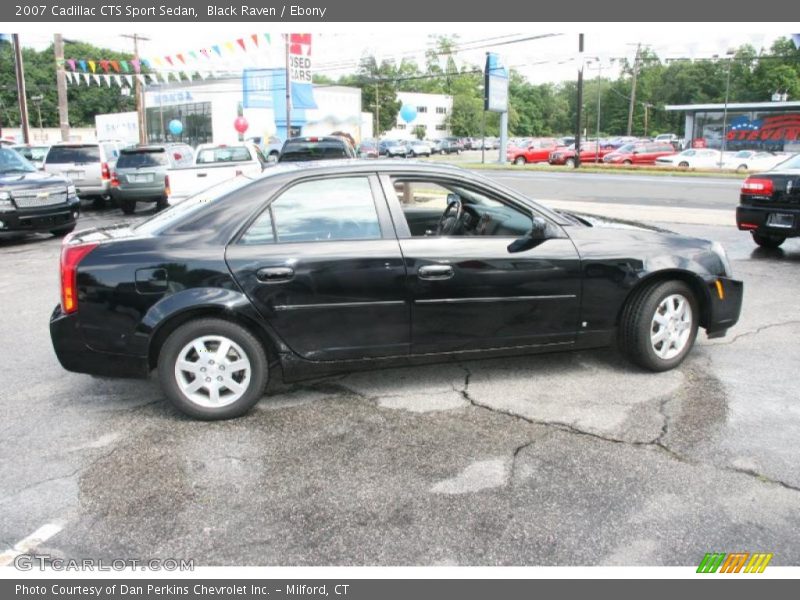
(778, 128)
(496, 84)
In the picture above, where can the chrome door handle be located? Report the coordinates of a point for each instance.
(274, 274)
(436, 272)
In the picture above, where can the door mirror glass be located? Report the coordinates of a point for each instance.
(539, 232)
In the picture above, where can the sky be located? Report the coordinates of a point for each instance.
(338, 47)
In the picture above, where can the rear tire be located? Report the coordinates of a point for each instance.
(520, 160)
(627, 162)
(658, 325)
(162, 203)
(98, 202)
(683, 165)
(767, 241)
(180, 367)
(128, 206)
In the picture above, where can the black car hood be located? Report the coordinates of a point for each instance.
(28, 180)
(612, 223)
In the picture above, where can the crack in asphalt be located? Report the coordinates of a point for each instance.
(756, 331)
(656, 443)
(69, 475)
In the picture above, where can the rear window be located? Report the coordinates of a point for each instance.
(223, 154)
(89, 153)
(301, 150)
(142, 159)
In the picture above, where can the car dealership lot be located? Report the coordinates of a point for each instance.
(575, 458)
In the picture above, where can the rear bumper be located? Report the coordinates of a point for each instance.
(42, 219)
(723, 308)
(74, 355)
(754, 218)
(142, 194)
(101, 189)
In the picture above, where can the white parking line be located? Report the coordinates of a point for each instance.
(44, 533)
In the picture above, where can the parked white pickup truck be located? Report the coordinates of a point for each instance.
(213, 164)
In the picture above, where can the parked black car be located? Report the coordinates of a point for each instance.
(769, 204)
(32, 201)
(311, 269)
(312, 148)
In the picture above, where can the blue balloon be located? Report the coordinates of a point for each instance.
(175, 127)
(408, 113)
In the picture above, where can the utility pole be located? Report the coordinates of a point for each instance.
(597, 129)
(646, 116)
(377, 132)
(23, 99)
(37, 101)
(61, 86)
(141, 118)
(288, 93)
(725, 112)
(633, 88)
(580, 103)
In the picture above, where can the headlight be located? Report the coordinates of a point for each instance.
(717, 249)
(71, 191)
(5, 202)
(5, 196)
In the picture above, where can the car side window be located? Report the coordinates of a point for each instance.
(427, 205)
(317, 211)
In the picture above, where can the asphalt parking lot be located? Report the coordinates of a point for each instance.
(564, 459)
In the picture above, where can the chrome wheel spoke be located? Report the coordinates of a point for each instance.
(206, 378)
(671, 326)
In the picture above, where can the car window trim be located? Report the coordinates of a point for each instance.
(398, 215)
(384, 219)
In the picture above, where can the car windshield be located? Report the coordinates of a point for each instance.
(626, 148)
(139, 159)
(792, 163)
(32, 152)
(743, 154)
(12, 161)
(302, 150)
(223, 154)
(88, 153)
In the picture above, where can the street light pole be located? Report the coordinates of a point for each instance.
(597, 129)
(725, 110)
(580, 103)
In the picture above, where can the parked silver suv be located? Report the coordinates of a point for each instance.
(87, 164)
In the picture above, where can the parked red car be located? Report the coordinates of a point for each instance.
(538, 150)
(589, 153)
(639, 154)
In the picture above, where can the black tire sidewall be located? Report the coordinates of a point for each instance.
(209, 326)
(767, 241)
(128, 206)
(639, 317)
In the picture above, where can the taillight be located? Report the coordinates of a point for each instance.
(167, 191)
(757, 187)
(114, 180)
(105, 172)
(71, 256)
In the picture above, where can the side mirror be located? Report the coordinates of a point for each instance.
(539, 232)
(452, 199)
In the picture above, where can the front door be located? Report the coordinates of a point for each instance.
(468, 290)
(323, 266)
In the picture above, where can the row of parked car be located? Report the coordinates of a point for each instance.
(640, 152)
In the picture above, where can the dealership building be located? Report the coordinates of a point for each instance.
(771, 126)
(207, 108)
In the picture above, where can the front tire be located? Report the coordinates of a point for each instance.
(570, 162)
(213, 369)
(767, 241)
(659, 325)
(520, 160)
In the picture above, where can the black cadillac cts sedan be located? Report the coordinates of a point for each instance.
(313, 269)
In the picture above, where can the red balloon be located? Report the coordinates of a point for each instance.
(241, 124)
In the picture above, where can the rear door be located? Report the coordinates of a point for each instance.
(323, 266)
